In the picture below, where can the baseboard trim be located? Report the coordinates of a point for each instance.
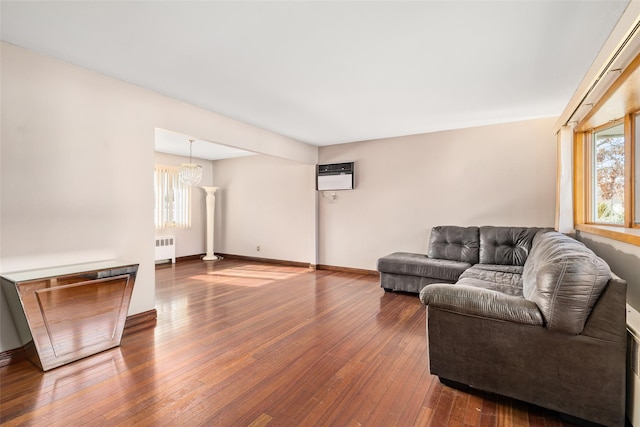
(168, 263)
(12, 356)
(347, 270)
(189, 257)
(267, 260)
(135, 322)
(144, 320)
(301, 264)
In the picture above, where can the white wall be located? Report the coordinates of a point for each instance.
(265, 201)
(76, 174)
(493, 175)
(192, 240)
(77, 156)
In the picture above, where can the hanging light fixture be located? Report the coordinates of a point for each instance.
(190, 173)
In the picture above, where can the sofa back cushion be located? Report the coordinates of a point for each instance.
(506, 245)
(565, 279)
(454, 243)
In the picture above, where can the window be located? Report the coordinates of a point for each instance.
(606, 179)
(173, 199)
(606, 161)
(636, 174)
(607, 175)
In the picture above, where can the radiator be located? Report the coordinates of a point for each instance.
(633, 367)
(166, 248)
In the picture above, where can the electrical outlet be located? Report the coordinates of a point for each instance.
(258, 248)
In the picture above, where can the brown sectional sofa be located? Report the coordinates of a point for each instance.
(537, 317)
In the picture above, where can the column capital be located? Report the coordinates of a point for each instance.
(210, 190)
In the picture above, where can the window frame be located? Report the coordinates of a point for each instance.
(629, 231)
(620, 100)
(634, 174)
(590, 171)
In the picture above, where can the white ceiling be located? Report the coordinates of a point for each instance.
(329, 72)
(178, 144)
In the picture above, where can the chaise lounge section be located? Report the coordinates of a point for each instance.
(453, 250)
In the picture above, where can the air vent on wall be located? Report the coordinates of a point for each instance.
(335, 176)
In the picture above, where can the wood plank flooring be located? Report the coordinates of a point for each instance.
(250, 344)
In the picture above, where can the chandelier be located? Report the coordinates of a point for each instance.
(190, 173)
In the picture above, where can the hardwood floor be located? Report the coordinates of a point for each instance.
(250, 344)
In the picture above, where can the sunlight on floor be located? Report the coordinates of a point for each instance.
(252, 277)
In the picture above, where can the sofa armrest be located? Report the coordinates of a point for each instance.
(475, 301)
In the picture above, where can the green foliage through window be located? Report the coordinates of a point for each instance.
(608, 175)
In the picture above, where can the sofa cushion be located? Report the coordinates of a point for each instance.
(455, 243)
(565, 279)
(506, 245)
(406, 283)
(421, 265)
(502, 278)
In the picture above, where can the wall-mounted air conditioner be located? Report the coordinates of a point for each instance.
(335, 176)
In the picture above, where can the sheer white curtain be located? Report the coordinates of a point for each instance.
(173, 199)
(564, 191)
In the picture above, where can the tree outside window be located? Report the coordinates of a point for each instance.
(608, 175)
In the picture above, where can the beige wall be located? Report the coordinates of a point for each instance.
(493, 175)
(269, 202)
(76, 182)
(76, 167)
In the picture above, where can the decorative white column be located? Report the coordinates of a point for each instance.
(211, 209)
